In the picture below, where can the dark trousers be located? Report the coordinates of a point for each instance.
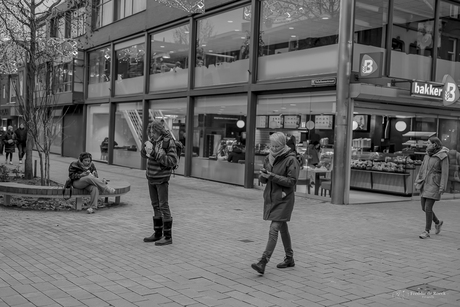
(427, 207)
(159, 200)
(21, 150)
(1, 147)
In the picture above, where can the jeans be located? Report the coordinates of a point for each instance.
(159, 200)
(93, 185)
(427, 206)
(281, 227)
(21, 150)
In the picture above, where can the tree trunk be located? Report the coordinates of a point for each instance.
(42, 178)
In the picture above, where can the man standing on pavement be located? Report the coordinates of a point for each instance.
(2, 145)
(21, 139)
(160, 152)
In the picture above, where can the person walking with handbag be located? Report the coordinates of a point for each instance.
(432, 182)
(83, 175)
(161, 159)
(280, 172)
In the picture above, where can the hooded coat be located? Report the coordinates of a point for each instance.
(435, 173)
(283, 178)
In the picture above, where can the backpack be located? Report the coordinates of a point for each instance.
(179, 149)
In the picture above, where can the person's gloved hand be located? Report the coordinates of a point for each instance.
(148, 150)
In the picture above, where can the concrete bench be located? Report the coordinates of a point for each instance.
(9, 189)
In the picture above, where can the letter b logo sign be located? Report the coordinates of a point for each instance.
(370, 65)
(450, 92)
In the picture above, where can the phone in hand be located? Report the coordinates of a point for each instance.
(263, 170)
(148, 144)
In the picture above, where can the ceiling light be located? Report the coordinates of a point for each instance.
(293, 36)
(203, 45)
(325, 16)
(210, 50)
(292, 104)
(291, 28)
(186, 32)
(236, 30)
(230, 21)
(283, 108)
(242, 37)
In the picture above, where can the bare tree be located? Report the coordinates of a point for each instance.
(27, 48)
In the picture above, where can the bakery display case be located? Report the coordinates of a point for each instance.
(384, 172)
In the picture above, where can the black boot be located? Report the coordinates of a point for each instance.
(287, 263)
(158, 227)
(167, 239)
(260, 266)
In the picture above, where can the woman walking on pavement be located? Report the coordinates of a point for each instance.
(83, 175)
(280, 172)
(432, 182)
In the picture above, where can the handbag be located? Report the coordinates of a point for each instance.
(67, 187)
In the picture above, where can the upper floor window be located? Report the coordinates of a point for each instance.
(58, 27)
(103, 12)
(126, 8)
(62, 78)
(78, 22)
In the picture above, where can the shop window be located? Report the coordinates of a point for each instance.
(78, 22)
(448, 61)
(103, 12)
(413, 28)
(97, 131)
(219, 138)
(222, 48)
(130, 68)
(169, 59)
(100, 62)
(293, 32)
(308, 122)
(128, 134)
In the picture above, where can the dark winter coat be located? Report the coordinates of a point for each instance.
(160, 163)
(435, 171)
(76, 170)
(285, 171)
(21, 135)
(9, 147)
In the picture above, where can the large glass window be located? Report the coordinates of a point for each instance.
(305, 119)
(128, 134)
(298, 38)
(172, 111)
(97, 131)
(370, 28)
(222, 48)
(63, 77)
(130, 67)
(99, 72)
(103, 13)
(412, 41)
(448, 61)
(169, 59)
(127, 8)
(219, 138)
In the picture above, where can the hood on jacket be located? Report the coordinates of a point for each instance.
(442, 153)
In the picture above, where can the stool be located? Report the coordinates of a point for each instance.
(325, 186)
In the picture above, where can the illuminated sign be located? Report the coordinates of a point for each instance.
(371, 65)
(447, 91)
(450, 90)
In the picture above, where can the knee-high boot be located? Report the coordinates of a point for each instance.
(167, 231)
(158, 228)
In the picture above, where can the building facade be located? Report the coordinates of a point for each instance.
(241, 70)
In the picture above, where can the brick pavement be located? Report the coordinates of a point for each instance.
(357, 255)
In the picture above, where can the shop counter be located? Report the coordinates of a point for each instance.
(384, 182)
(218, 170)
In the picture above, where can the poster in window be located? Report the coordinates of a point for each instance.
(291, 121)
(275, 122)
(324, 122)
(262, 121)
(361, 122)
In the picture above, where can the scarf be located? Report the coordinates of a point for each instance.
(85, 168)
(279, 152)
(433, 150)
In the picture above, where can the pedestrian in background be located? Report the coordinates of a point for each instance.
(161, 159)
(2, 145)
(432, 182)
(280, 172)
(84, 176)
(9, 139)
(21, 141)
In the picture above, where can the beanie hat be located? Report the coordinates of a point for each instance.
(157, 126)
(85, 155)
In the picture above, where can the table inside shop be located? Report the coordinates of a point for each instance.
(319, 172)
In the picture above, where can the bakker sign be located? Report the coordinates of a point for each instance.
(447, 91)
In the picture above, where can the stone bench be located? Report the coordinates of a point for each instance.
(9, 189)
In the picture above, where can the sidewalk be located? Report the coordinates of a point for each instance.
(356, 255)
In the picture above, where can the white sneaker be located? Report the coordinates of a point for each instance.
(110, 189)
(20, 161)
(11, 162)
(90, 210)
